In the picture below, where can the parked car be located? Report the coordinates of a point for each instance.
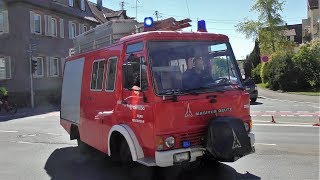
(252, 89)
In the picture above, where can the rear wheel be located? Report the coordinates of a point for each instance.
(12, 108)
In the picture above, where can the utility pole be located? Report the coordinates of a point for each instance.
(157, 14)
(122, 5)
(32, 47)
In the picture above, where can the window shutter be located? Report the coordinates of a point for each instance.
(46, 25)
(5, 22)
(61, 28)
(50, 26)
(48, 59)
(70, 30)
(62, 65)
(31, 22)
(8, 67)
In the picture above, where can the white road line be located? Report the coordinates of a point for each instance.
(303, 111)
(266, 115)
(270, 111)
(286, 125)
(8, 131)
(54, 134)
(285, 111)
(282, 115)
(306, 115)
(265, 144)
(290, 115)
(259, 121)
(288, 100)
(255, 111)
(253, 115)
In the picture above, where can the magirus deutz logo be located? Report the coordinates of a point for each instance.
(208, 112)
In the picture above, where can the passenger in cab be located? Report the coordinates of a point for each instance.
(195, 77)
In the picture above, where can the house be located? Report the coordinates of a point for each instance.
(293, 33)
(103, 14)
(42, 30)
(311, 26)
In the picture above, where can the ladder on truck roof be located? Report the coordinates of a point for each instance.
(103, 35)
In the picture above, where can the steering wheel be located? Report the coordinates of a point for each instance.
(220, 80)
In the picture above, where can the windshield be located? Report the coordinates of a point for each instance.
(181, 67)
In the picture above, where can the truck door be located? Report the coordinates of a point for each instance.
(93, 102)
(135, 109)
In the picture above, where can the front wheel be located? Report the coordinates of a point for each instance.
(253, 99)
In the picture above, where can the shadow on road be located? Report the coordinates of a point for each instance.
(255, 103)
(68, 163)
(22, 113)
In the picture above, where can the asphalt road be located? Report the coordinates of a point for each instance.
(37, 147)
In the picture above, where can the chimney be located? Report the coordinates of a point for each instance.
(99, 5)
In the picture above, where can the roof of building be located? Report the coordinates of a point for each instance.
(313, 4)
(105, 14)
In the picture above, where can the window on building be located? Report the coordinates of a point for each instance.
(39, 68)
(111, 74)
(82, 5)
(71, 3)
(37, 23)
(54, 27)
(4, 23)
(61, 28)
(97, 75)
(85, 29)
(72, 30)
(53, 67)
(5, 68)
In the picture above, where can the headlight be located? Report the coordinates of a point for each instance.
(169, 142)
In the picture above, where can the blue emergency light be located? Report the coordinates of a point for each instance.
(186, 144)
(148, 22)
(202, 26)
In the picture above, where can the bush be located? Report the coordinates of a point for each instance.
(307, 64)
(279, 72)
(256, 74)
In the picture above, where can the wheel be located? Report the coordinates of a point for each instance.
(12, 108)
(83, 147)
(253, 99)
(125, 153)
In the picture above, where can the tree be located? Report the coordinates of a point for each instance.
(268, 29)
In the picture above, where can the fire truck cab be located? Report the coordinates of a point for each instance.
(159, 98)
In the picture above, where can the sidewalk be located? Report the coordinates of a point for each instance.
(286, 96)
(25, 112)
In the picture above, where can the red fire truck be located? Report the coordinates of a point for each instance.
(159, 98)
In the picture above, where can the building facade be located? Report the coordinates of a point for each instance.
(41, 30)
(311, 26)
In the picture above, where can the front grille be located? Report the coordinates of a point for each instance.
(196, 138)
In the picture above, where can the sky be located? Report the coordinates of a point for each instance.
(220, 16)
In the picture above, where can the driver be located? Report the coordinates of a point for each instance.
(196, 76)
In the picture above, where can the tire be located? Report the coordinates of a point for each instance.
(12, 109)
(253, 99)
(83, 147)
(125, 153)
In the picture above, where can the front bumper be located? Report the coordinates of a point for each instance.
(165, 158)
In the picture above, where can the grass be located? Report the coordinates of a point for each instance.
(308, 93)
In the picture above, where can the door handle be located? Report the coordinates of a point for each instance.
(124, 102)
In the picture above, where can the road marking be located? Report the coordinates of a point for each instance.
(266, 115)
(259, 121)
(270, 111)
(287, 125)
(290, 115)
(285, 111)
(54, 134)
(265, 144)
(253, 115)
(8, 131)
(288, 100)
(305, 115)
